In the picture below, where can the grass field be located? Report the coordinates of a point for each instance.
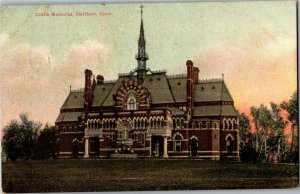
(132, 175)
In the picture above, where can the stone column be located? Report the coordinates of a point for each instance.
(165, 147)
(86, 147)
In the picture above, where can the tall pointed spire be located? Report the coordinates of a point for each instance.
(141, 56)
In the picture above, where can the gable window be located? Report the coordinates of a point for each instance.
(131, 103)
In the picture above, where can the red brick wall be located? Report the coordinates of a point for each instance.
(66, 140)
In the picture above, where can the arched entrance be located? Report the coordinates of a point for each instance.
(194, 146)
(157, 146)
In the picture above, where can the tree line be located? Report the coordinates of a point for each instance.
(268, 142)
(27, 140)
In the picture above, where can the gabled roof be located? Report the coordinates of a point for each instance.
(101, 92)
(109, 101)
(178, 87)
(215, 110)
(162, 89)
(74, 100)
(212, 91)
(158, 86)
(68, 116)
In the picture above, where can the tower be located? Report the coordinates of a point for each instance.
(141, 56)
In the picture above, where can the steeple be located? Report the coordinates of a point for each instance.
(141, 56)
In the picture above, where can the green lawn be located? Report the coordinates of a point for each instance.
(125, 175)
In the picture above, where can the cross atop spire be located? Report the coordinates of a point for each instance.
(142, 10)
(141, 56)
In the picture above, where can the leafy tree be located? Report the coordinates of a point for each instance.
(20, 137)
(244, 127)
(247, 150)
(269, 125)
(45, 147)
(254, 112)
(292, 108)
(11, 141)
(276, 136)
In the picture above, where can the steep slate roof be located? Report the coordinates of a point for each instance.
(176, 111)
(157, 85)
(178, 86)
(163, 89)
(159, 88)
(74, 100)
(215, 110)
(109, 101)
(101, 92)
(211, 91)
(68, 116)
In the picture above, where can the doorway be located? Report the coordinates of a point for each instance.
(157, 146)
(194, 147)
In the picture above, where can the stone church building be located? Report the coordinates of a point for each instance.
(146, 113)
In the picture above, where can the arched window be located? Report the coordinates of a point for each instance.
(229, 142)
(154, 122)
(200, 125)
(207, 125)
(234, 124)
(177, 123)
(177, 143)
(193, 125)
(181, 123)
(99, 124)
(89, 124)
(131, 103)
(174, 124)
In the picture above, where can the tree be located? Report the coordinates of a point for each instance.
(45, 147)
(276, 136)
(244, 127)
(20, 137)
(12, 141)
(247, 151)
(254, 112)
(292, 108)
(269, 129)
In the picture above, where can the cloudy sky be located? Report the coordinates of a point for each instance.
(252, 43)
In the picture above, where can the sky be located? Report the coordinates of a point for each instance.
(252, 43)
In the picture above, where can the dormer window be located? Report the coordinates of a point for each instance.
(131, 103)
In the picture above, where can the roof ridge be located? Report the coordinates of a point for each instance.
(110, 81)
(210, 80)
(182, 75)
(78, 90)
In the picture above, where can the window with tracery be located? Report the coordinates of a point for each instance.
(229, 144)
(131, 103)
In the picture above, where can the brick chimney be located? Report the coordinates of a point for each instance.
(190, 88)
(88, 90)
(100, 79)
(196, 75)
